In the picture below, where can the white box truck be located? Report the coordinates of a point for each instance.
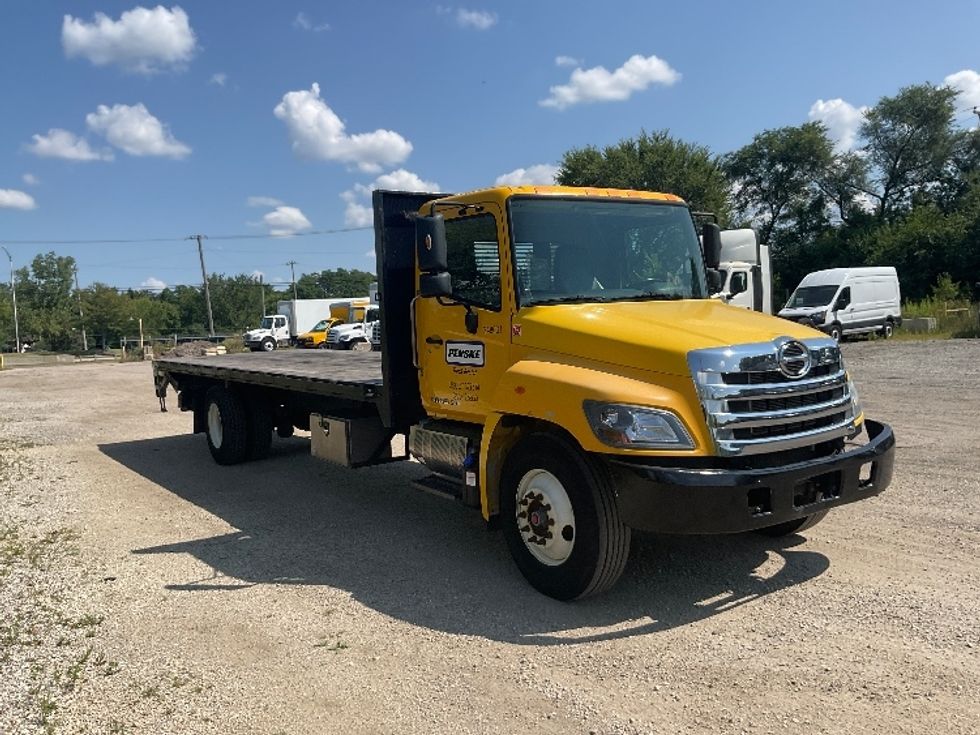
(745, 271)
(844, 301)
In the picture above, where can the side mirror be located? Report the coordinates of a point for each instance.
(711, 239)
(435, 284)
(430, 244)
(715, 281)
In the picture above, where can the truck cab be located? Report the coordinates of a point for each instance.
(355, 335)
(273, 332)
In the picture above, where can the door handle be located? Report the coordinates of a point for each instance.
(435, 340)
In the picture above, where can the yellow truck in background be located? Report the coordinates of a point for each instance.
(342, 312)
(553, 356)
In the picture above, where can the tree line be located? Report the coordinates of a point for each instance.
(907, 194)
(52, 313)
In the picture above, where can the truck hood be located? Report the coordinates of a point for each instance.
(256, 333)
(648, 335)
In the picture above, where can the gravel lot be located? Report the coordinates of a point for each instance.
(145, 589)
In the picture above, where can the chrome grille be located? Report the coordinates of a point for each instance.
(376, 333)
(333, 337)
(752, 404)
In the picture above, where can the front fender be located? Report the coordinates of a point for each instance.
(554, 391)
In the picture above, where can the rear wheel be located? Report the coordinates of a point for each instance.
(789, 527)
(560, 519)
(227, 426)
(888, 329)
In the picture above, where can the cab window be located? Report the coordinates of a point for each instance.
(474, 259)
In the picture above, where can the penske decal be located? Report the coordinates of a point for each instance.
(465, 353)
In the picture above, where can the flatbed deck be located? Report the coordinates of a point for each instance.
(333, 373)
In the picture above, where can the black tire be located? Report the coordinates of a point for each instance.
(259, 419)
(229, 444)
(600, 540)
(285, 431)
(835, 332)
(790, 527)
(268, 344)
(888, 330)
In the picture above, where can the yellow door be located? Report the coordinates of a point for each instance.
(459, 368)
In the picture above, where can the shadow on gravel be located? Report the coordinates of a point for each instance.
(431, 562)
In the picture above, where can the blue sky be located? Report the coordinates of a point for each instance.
(155, 122)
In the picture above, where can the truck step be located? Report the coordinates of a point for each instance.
(439, 486)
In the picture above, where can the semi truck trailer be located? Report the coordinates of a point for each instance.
(553, 356)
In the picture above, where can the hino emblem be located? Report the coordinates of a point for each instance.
(794, 359)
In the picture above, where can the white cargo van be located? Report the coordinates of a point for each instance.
(843, 301)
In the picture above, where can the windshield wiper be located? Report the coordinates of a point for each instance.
(573, 300)
(653, 296)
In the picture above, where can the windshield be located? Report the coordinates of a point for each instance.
(570, 250)
(811, 296)
(320, 325)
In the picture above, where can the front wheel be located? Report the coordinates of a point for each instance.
(268, 344)
(560, 519)
(835, 332)
(888, 330)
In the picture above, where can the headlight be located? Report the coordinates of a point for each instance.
(817, 317)
(636, 427)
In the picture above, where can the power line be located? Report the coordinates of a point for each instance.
(148, 240)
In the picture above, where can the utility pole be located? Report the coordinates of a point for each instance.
(204, 275)
(292, 269)
(81, 316)
(976, 111)
(13, 295)
(262, 291)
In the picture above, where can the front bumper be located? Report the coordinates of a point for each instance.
(710, 500)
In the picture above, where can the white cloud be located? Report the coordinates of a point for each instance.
(284, 221)
(359, 213)
(14, 199)
(317, 132)
(540, 174)
(303, 22)
(219, 78)
(153, 284)
(842, 120)
(142, 40)
(967, 84)
(30, 179)
(567, 61)
(136, 131)
(402, 180)
(64, 144)
(480, 20)
(264, 202)
(598, 84)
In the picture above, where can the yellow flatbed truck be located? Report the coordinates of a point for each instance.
(553, 356)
